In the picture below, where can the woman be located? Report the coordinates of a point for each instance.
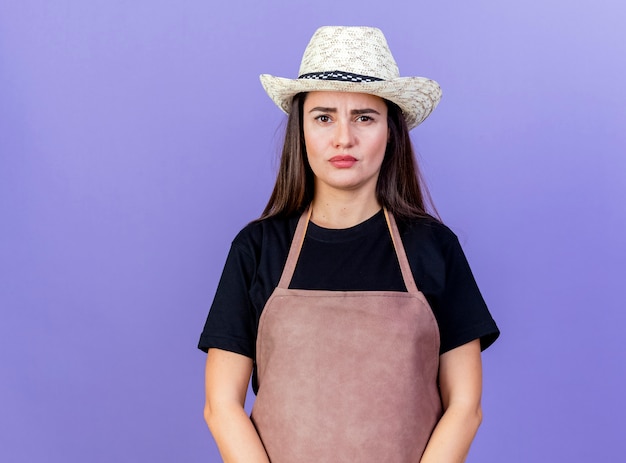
(319, 298)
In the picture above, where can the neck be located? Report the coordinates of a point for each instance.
(342, 209)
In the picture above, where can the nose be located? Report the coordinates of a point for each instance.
(344, 134)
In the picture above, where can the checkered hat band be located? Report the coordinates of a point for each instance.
(339, 75)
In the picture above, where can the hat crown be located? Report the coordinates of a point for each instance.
(359, 50)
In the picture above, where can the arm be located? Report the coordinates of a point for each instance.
(460, 380)
(227, 377)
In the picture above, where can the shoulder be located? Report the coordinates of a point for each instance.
(427, 231)
(260, 234)
(432, 248)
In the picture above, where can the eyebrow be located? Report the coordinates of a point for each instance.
(357, 112)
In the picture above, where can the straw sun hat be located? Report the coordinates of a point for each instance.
(355, 59)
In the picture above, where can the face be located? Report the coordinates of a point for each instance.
(345, 136)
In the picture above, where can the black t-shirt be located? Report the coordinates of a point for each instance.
(360, 258)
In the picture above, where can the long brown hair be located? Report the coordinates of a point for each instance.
(400, 186)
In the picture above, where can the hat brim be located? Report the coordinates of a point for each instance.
(416, 96)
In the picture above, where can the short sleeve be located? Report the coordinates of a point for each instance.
(231, 322)
(462, 313)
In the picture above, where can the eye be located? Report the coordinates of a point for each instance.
(364, 118)
(323, 118)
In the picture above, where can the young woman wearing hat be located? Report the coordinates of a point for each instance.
(319, 298)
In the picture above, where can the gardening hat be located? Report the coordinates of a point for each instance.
(358, 60)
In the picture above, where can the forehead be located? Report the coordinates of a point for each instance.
(344, 100)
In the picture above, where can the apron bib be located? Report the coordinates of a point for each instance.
(346, 376)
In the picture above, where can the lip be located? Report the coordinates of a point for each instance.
(342, 161)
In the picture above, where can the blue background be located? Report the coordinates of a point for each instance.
(136, 140)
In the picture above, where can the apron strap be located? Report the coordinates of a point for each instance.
(298, 241)
(405, 268)
(294, 250)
